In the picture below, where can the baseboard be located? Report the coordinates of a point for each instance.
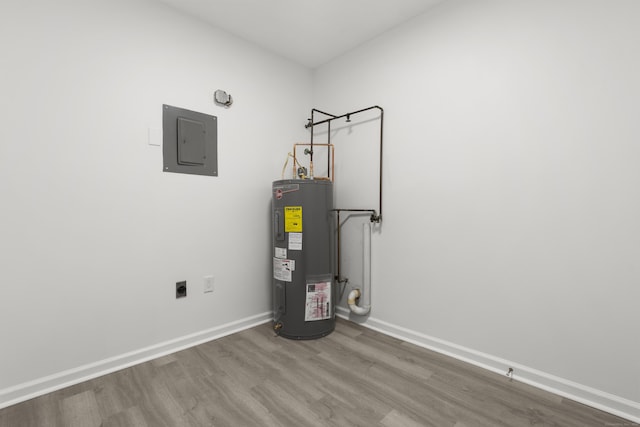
(589, 396)
(25, 391)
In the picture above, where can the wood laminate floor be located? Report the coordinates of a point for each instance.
(353, 377)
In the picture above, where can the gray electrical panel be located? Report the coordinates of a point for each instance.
(304, 291)
(189, 141)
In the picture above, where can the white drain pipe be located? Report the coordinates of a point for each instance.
(366, 276)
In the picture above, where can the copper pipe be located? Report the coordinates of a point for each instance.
(331, 148)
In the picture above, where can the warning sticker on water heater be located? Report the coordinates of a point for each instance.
(293, 219)
(318, 302)
(282, 269)
(295, 241)
(281, 253)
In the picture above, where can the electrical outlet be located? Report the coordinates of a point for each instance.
(181, 289)
(208, 284)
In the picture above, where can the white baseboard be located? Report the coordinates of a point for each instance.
(25, 391)
(589, 396)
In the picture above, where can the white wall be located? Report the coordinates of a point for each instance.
(510, 213)
(93, 234)
(510, 226)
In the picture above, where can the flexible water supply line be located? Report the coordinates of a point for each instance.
(366, 276)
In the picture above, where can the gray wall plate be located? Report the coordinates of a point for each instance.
(189, 141)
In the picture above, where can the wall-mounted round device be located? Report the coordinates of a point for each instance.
(222, 98)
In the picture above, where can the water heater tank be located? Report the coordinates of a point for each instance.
(303, 279)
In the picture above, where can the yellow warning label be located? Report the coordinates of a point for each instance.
(293, 219)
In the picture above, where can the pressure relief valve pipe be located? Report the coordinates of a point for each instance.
(353, 295)
(366, 276)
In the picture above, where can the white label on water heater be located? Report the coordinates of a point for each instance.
(318, 301)
(281, 253)
(282, 269)
(295, 241)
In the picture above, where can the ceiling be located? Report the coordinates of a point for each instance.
(309, 32)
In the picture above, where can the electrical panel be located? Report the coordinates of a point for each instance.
(189, 141)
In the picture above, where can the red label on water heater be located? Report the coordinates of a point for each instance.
(281, 190)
